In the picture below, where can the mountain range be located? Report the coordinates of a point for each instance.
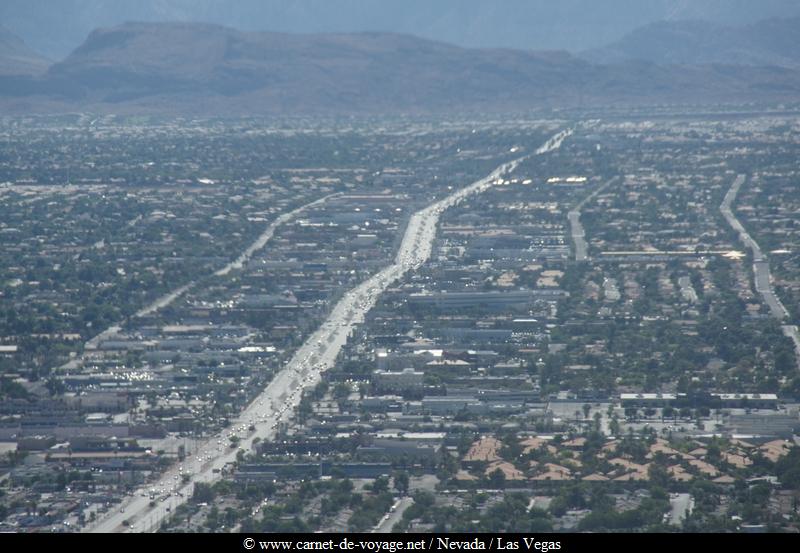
(191, 68)
(55, 28)
(770, 42)
(16, 58)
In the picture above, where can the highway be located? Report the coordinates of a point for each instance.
(763, 279)
(92, 343)
(170, 297)
(282, 395)
(266, 236)
(574, 216)
(761, 272)
(164, 300)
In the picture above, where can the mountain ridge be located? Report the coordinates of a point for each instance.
(692, 42)
(16, 58)
(55, 27)
(205, 68)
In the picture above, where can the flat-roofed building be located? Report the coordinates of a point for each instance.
(398, 381)
(647, 400)
(757, 401)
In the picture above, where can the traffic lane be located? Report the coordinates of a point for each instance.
(416, 247)
(394, 516)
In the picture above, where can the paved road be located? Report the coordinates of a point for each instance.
(393, 517)
(279, 399)
(170, 297)
(574, 216)
(164, 300)
(681, 506)
(763, 278)
(92, 343)
(266, 236)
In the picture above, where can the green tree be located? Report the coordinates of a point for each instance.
(497, 479)
(401, 482)
(380, 485)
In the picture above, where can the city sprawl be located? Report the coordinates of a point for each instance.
(567, 322)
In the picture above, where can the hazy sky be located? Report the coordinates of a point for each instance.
(56, 27)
